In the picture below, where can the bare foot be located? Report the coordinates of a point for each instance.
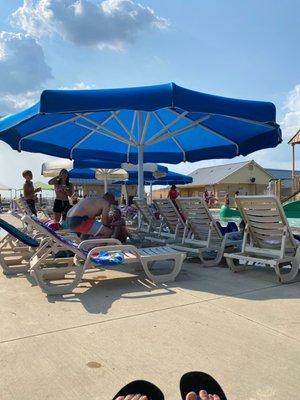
(133, 397)
(203, 395)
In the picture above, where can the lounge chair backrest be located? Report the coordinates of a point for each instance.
(52, 235)
(16, 233)
(199, 219)
(170, 215)
(143, 208)
(266, 222)
(22, 206)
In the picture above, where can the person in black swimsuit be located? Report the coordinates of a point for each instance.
(63, 190)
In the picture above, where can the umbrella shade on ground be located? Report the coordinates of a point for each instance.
(161, 123)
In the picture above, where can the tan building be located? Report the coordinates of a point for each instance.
(246, 177)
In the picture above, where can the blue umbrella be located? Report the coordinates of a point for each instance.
(158, 169)
(162, 123)
(172, 178)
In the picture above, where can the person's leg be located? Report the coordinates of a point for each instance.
(31, 205)
(57, 209)
(56, 216)
(104, 232)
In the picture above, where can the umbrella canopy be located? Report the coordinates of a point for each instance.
(109, 171)
(90, 173)
(157, 170)
(3, 187)
(162, 123)
(42, 185)
(172, 178)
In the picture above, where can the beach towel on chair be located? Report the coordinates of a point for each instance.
(108, 259)
(16, 233)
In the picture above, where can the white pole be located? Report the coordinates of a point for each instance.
(151, 192)
(105, 185)
(140, 157)
(140, 172)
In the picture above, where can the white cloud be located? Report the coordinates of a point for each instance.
(22, 64)
(110, 23)
(291, 120)
(11, 103)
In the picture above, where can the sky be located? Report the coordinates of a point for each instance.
(236, 48)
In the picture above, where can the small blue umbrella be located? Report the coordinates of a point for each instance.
(161, 123)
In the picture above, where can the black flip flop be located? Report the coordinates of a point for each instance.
(196, 381)
(143, 387)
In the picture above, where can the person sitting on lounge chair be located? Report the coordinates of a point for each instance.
(81, 218)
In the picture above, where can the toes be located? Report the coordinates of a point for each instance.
(191, 396)
(120, 398)
(203, 395)
(216, 397)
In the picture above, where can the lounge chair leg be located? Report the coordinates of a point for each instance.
(287, 277)
(178, 260)
(236, 267)
(44, 277)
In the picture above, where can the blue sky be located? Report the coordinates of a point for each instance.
(236, 48)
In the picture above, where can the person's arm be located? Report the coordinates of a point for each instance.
(70, 190)
(105, 216)
(169, 194)
(37, 190)
(53, 181)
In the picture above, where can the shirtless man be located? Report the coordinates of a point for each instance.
(29, 191)
(81, 218)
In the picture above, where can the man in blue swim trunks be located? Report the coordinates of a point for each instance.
(81, 218)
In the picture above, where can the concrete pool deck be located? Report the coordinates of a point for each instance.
(244, 329)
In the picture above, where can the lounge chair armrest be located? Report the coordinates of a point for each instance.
(87, 245)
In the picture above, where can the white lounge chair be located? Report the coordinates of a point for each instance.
(149, 227)
(268, 238)
(172, 219)
(202, 237)
(44, 270)
(16, 248)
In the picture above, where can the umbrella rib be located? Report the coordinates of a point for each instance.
(103, 131)
(103, 128)
(170, 135)
(46, 129)
(80, 142)
(145, 127)
(180, 147)
(165, 127)
(210, 130)
(121, 123)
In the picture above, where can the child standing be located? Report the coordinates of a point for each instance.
(29, 191)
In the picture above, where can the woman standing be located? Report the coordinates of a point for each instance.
(63, 190)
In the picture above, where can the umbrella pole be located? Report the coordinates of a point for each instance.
(140, 172)
(105, 185)
(151, 192)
